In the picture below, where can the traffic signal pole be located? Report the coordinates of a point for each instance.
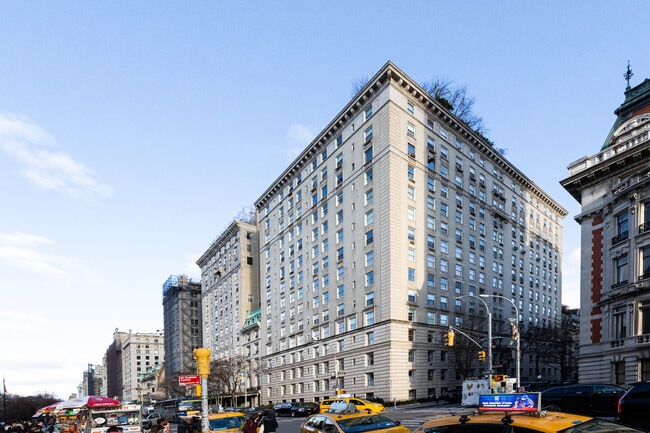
(202, 356)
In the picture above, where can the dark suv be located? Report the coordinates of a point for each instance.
(590, 399)
(634, 406)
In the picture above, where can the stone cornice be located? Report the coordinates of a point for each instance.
(388, 74)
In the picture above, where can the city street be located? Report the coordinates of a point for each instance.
(410, 416)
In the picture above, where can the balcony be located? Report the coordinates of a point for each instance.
(617, 343)
(619, 284)
(644, 227)
(620, 237)
(643, 339)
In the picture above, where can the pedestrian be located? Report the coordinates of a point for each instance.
(268, 423)
(251, 424)
(165, 424)
(157, 429)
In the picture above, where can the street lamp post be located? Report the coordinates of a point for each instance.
(517, 335)
(489, 337)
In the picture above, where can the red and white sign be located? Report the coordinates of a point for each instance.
(189, 380)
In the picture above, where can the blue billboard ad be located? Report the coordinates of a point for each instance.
(520, 402)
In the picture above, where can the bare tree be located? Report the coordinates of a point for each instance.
(456, 100)
(358, 84)
(170, 387)
(543, 344)
(225, 376)
(465, 350)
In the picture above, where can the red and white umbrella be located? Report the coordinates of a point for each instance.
(46, 409)
(87, 401)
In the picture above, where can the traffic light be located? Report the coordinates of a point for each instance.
(481, 355)
(449, 338)
(202, 356)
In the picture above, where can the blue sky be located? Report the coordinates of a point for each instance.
(132, 133)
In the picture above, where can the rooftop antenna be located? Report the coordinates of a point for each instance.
(628, 75)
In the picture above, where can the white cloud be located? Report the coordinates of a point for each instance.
(299, 137)
(22, 251)
(28, 145)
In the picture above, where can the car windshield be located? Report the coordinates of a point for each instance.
(365, 423)
(597, 425)
(226, 423)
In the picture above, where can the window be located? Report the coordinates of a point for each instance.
(411, 254)
(370, 318)
(368, 134)
(369, 237)
(646, 262)
(410, 129)
(645, 318)
(370, 278)
(411, 296)
(370, 258)
(411, 150)
(370, 217)
(368, 176)
(619, 323)
(368, 155)
(410, 192)
(621, 270)
(369, 197)
(410, 108)
(370, 298)
(369, 112)
(622, 228)
(411, 173)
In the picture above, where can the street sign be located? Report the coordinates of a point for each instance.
(189, 380)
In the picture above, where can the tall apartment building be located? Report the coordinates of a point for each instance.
(367, 239)
(92, 381)
(613, 189)
(130, 355)
(182, 324)
(230, 280)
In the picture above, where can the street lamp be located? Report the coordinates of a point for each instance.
(489, 337)
(516, 335)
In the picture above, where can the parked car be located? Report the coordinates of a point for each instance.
(304, 409)
(283, 408)
(584, 399)
(452, 396)
(345, 417)
(634, 406)
(496, 422)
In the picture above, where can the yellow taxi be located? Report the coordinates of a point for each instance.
(226, 422)
(359, 403)
(344, 417)
(520, 422)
